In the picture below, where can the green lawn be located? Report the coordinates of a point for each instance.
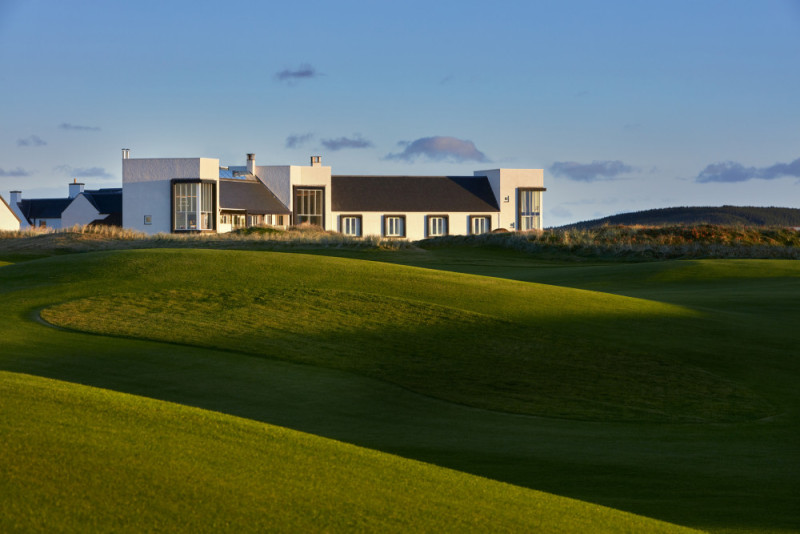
(83, 459)
(679, 404)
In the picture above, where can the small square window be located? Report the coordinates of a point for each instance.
(148, 219)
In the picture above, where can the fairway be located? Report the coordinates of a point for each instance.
(665, 389)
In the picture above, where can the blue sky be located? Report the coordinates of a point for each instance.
(625, 105)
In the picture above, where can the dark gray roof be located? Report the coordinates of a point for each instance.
(105, 200)
(429, 194)
(250, 195)
(43, 208)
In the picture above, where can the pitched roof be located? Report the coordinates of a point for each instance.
(105, 200)
(43, 208)
(250, 195)
(412, 193)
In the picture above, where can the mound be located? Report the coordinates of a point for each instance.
(488, 343)
(75, 458)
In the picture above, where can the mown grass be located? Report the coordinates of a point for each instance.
(83, 459)
(729, 320)
(488, 343)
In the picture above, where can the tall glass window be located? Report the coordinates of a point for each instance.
(529, 209)
(193, 206)
(186, 206)
(309, 206)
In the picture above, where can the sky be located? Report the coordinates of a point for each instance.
(626, 105)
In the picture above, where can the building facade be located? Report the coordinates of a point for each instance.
(199, 195)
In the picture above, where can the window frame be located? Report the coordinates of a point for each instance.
(429, 220)
(536, 216)
(473, 218)
(296, 215)
(360, 223)
(203, 206)
(387, 218)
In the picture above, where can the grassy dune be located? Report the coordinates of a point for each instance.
(489, 343)
(84, 459)
(624, 359)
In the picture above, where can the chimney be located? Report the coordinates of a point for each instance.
(126, 153)
(16, 197)
(75, 188)
(316, 161)
(251, 164)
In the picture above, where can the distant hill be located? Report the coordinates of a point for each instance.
(727, 215)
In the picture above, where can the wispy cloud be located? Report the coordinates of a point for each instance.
(33, 140)
(84, 172)
(590, 172)
(78, 127)
(16, 173)
(345, 142)
(303, 72)
(296, 141)
(440, 148)
(731, 171)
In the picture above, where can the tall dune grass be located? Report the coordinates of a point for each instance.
(623, 242)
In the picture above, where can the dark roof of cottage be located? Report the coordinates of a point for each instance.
(105, 200)
(43, 208)
(413, 193)
(250, 195)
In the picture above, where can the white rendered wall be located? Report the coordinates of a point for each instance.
(281, 180)
(505, 183)
(79, 211)
(372, 223)
(146, 189)
(8, 220)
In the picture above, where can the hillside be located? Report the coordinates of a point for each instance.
(722, 215)
(666, 389)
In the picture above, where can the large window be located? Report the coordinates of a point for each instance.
(351, 225)
(309, 205)
(193, 206)
(437, 225)
(530, 207)
(394, 226)
(479, 224)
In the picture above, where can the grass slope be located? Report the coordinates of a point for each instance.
(83, 459)
(724, 477)
(479, 342)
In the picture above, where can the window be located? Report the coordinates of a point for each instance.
(280, 220)
(193, 206)
(529, 209)
(437, 225)
(186, 206)
(309, 205)
(479, 224)
(42, 224)
(394, 226)
(351, 225)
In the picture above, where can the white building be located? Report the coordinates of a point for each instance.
(8, 219)
(81, 207)
(197, 195)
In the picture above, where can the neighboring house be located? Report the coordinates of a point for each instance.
(81, 207)
(197, 195)
(8, 219)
